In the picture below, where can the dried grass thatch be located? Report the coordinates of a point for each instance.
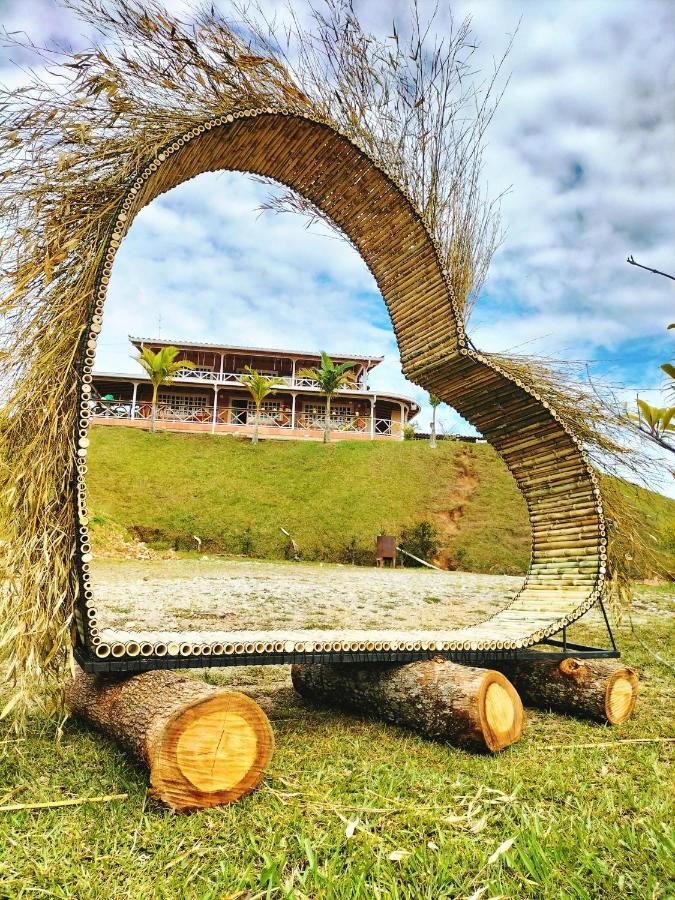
(70, 145)
(614, 446)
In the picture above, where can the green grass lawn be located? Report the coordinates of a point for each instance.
(585, 823)
(334, 500)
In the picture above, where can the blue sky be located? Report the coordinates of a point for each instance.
(584, 142)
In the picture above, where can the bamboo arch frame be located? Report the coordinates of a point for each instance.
(569, 544)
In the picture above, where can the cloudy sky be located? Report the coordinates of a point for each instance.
(584, 140)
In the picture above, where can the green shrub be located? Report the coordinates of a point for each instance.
(246, 542)
(421, 540)
(356, 554)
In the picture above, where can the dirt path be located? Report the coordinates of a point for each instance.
(449, 520)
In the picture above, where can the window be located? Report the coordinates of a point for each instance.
(184, 405)
(270, 410)
(314, 409)
(340, 414)
(319, 409)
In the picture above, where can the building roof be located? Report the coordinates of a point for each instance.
(228, 348)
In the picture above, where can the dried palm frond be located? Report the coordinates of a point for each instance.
(615, 446)
(414, 103)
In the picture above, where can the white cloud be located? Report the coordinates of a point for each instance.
(204, 259)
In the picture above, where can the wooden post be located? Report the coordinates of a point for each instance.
(133, 400)
(600, 689)
(204, 745)
(215, 410)
(467, 706)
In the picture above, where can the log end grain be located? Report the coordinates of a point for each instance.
(212, 752)
(501, 711)
(601, 689)
(203, 745)
(620, 696)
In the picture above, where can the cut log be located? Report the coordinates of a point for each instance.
(470, 707)
(601, 689)
(204, 745)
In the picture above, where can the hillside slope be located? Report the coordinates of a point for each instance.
(166, 488)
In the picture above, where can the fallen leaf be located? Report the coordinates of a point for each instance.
(432, 845)
(503, 847)
(398, 855)
(351, 827)
(478, 825)
(477, 894)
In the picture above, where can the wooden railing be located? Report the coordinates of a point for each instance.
(216, 377)
(125, 409)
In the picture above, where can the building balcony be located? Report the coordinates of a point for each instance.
(218, 379)
(234, 420)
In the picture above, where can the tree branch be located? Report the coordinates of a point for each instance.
(632, 261)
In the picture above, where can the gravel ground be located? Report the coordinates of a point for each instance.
(240, 595)
(203, 595)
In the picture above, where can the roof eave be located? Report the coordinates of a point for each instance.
(301, 354)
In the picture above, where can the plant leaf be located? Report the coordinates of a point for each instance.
(501, 850)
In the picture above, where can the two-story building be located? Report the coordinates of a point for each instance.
(212, 397)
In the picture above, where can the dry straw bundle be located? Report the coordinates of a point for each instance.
(72, 143)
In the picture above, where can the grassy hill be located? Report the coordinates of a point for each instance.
(165, 488)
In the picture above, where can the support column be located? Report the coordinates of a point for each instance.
(293, 376)
(293, 401)
(133, 400)
(215, 410)
(222, 365)
(402, 426)
(372, 417)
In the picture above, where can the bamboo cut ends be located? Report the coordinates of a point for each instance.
(313, 157)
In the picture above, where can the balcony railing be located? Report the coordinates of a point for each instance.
(205, 376)
(360, 424)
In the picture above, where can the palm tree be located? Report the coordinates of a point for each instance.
(330, 378)
(259, 386)
(434, 402)
(161, 367)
